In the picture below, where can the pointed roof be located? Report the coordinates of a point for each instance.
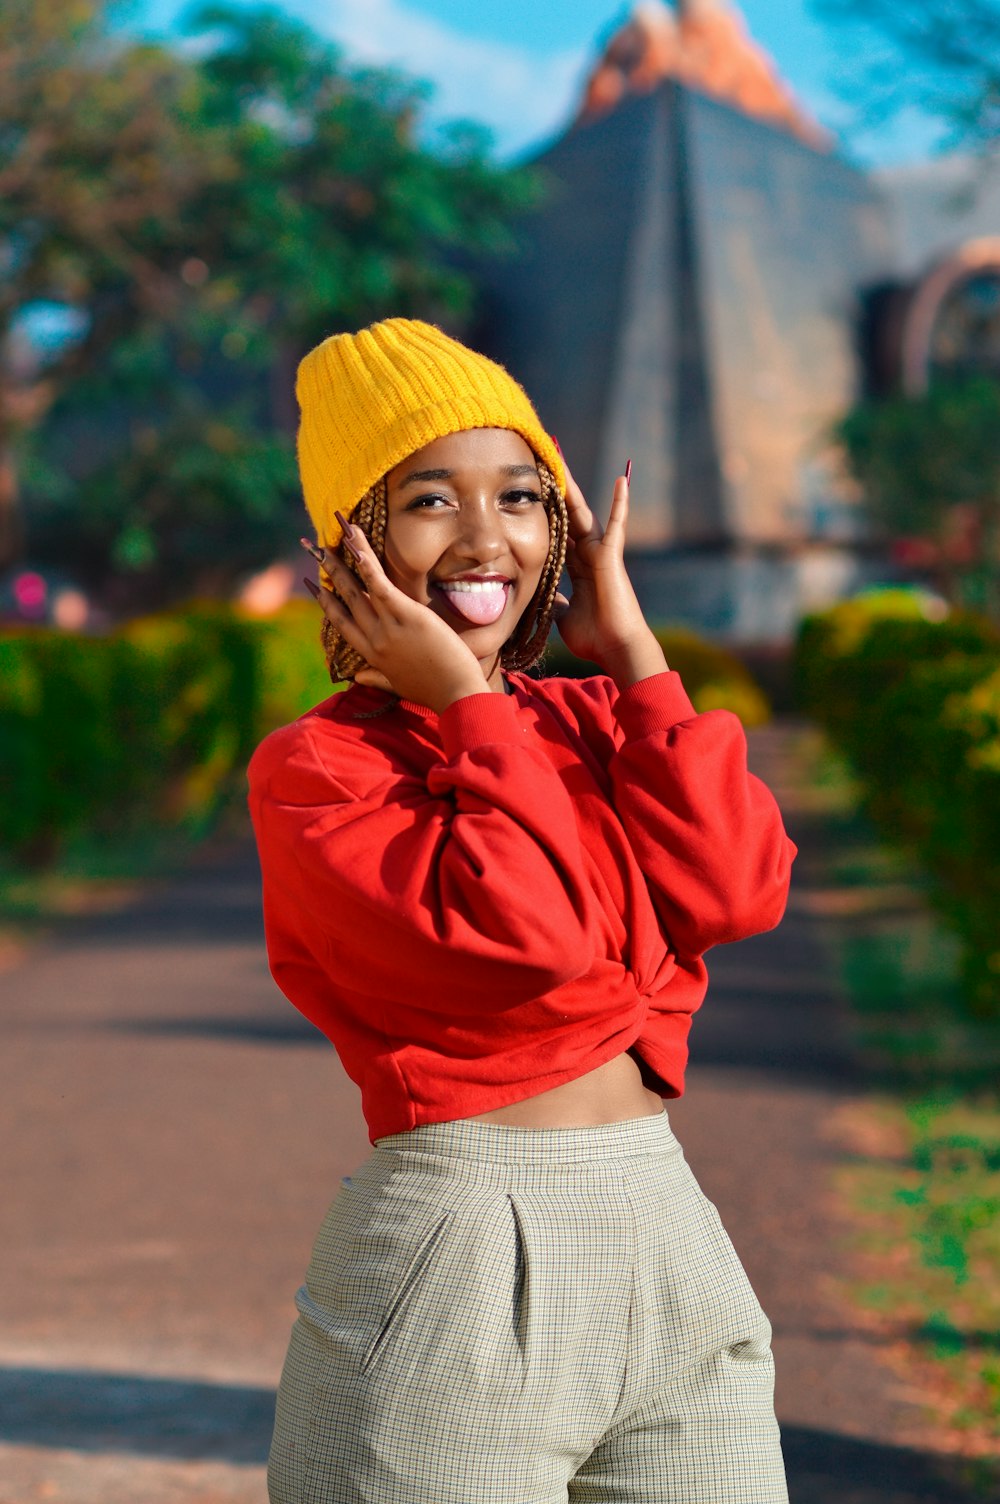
(705, 45)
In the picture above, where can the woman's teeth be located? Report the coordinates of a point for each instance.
(478, 601)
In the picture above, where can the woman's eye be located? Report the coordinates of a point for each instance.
(522, 496)
(425, 501)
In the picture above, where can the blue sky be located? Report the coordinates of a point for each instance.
(517, 65)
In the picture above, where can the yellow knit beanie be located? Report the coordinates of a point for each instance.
(368, 400)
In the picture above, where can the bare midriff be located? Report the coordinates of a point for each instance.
(612, 1093)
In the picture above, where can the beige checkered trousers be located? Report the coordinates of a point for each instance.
(500, 1315)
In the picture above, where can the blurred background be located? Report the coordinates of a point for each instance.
(756, 248)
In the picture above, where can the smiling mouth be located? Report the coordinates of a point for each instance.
(479, 602)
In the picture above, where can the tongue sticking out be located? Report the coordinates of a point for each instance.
(479, 606)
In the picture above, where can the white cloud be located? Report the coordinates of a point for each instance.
(523, 96)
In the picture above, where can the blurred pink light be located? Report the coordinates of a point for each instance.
(30, 591)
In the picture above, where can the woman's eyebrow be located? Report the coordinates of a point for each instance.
(423, 475)
(416, 475)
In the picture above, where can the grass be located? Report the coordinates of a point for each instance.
(922, 1183)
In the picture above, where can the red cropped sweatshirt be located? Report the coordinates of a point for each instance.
(478, 906)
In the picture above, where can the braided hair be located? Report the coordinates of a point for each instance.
(526, 644)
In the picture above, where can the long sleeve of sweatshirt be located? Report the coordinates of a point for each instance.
(461, 881)
(706, 833)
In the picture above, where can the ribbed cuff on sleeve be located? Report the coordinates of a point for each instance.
(478, 721)
(653, 704)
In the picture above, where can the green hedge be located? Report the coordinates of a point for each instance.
(915, 706)
(153, 724)
(148, 725)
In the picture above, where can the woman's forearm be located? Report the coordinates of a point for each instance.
(637, 660)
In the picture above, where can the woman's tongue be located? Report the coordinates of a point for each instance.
(481, 605)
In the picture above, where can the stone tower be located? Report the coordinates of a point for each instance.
(688, 295)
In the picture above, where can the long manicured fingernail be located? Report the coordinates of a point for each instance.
(311, 586)
(311, 548)
(628, 472)
(556, 442)
(348, 532)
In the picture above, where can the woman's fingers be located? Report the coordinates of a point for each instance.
(583, 525)
(582, 522)
(352, 594)
(614, 533)
(382, 595)
(371, 597)
(337, 614)
(346, 606)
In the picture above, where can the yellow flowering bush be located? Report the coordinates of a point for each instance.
(914, 704)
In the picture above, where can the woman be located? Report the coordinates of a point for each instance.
(493, 893)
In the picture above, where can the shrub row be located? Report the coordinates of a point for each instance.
(914, 704)
(145, 726)
(154, 723)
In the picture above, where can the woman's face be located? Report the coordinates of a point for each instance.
(468, 533)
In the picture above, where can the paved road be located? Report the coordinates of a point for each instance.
(173, 1133)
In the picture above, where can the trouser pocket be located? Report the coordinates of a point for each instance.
(369, 1262)
(414, 1271)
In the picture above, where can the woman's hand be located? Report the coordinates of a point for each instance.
(410, 651)
(603, 621)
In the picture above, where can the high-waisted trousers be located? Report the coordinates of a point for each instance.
(501, 1315)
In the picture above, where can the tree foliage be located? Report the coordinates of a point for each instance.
(929, 469)
(940, 56)
(335, 210)
(210, 213)
(96, 172)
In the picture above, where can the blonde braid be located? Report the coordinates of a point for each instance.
(526, 645)
(371, 516)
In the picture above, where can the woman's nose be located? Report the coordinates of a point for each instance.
(481, 533)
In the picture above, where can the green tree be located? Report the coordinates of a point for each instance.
(929, 470)
(95, 175)
(940, 56)
(319, 207)
(337, 209)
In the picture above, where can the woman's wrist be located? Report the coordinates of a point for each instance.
(456, 692)
(636, 660)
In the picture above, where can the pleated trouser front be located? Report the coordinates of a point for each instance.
(499, 1315)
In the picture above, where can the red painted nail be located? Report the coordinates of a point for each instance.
(556, 442)
(628, 472)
